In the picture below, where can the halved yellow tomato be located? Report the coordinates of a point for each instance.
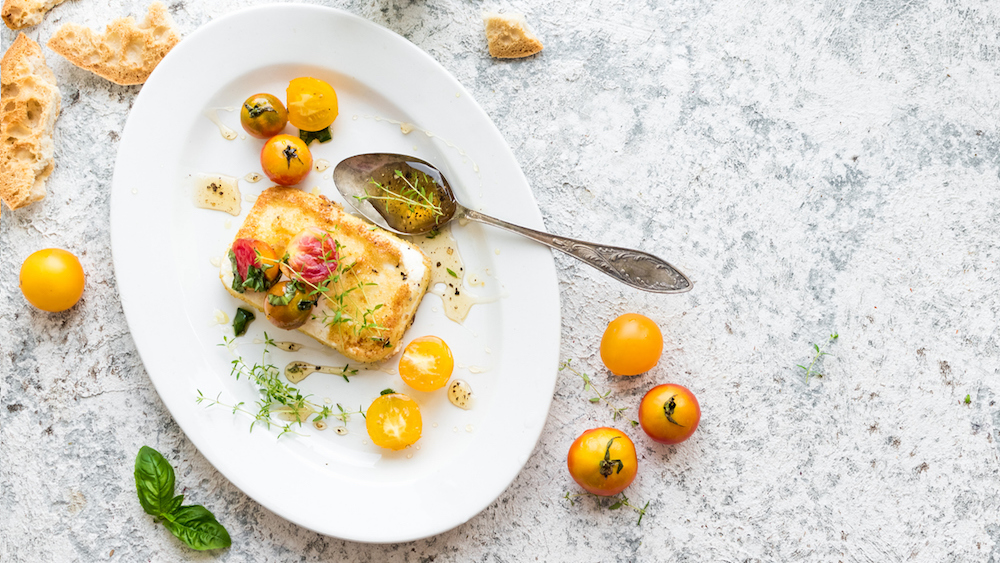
(312, 103)
(393, 421)
(426, 364)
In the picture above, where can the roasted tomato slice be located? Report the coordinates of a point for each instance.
(255, 265)
(312, 256)
(288, 305)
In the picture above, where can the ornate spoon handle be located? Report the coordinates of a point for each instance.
(632, 267)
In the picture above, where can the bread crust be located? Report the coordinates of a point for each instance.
(29, 106)
(508, 37)
(126, 53)
(19, 14)
(397, 271)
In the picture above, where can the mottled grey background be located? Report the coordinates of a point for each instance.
(814, 166)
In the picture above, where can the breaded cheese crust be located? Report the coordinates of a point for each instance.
(384, 270)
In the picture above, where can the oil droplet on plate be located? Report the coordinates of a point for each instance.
(409, 456)
(435, 425)
(355, 118)
(134, 191)
(215, 261)
(320, 424)
(469, 428)
(455, 430)
(225, 131)
(220, 317)
(252, 177)
(315, 190)
(228, 224)
(342, 431)
(406, 128)
(218, 192)
(321, 165)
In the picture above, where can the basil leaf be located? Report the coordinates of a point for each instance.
(241, 320)
(197, 527)
(176, 503)
(237, 279)
(154, 482)
(323, 135)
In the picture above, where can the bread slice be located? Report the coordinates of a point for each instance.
(18, 14)
(125, 53)
(29, 105)
(508, 37)
(398, 271)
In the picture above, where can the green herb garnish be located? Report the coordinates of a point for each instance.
(588, 385)
(242, 320)
(619, 502)
(819, 354)
(193, 524)
(451, 273)
(277, 396)
(323, 135)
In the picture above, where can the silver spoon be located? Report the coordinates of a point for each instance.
(409, 196)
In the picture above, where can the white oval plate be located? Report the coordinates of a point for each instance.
(163, 246)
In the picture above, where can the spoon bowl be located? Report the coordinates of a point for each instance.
(410, 196)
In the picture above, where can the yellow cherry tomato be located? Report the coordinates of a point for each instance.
(631, 345)
(426, 364)
(52, 280)
(312, 103)
(393, 421)
(285, 159)
(669, 413)
(603, 461)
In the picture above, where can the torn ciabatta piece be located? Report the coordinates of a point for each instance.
(508, 37)
(19, 14)
(380, 278)
(29, 106)
(126, 53)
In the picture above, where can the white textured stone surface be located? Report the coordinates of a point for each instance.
(814, 167)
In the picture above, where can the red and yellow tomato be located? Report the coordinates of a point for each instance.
(669, 413)
(263, 116)
(286, 159)
(603, 461)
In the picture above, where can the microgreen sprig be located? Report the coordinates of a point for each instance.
(413, 195)
(277, 397)
(588, 385)
(620, 501)
(816, 357)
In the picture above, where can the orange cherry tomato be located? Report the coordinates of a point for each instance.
(669, 413)
(426, 364)
(393, 421)
(285, 159)
(603, 461)
(631, 345)
(312, 103)
(263, 116)
(52, 280)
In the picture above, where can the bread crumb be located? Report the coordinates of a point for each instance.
(125, 53)
(508, 37)
(19, 14)
(29, 106)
